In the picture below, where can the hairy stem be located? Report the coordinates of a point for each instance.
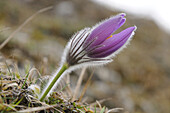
(61, 71)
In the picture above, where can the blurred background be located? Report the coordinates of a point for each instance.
(137, 80)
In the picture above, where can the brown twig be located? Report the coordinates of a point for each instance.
(23, 24)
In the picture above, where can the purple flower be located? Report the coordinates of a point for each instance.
(98, 44)
(92, 46)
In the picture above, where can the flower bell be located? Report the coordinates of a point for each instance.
(97, 45)
(92, 46)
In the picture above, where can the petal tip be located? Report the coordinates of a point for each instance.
(123, 20)
(122, 14)
(135, 28)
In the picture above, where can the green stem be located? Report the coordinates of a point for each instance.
(63, 68)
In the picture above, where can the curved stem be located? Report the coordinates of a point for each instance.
(63, 68)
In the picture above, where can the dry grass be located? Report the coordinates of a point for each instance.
(22, 25)
(17, 96)
(77, 89)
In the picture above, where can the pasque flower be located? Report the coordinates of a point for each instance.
(98, 44)
(93, 46)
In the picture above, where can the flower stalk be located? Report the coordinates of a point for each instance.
(61, 71)
(92, 47)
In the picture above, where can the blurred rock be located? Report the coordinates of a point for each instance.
(108, 75)
(65, 8)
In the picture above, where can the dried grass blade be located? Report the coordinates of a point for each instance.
(85, 87)
(23, 24)
(79, 83)
(39, 109)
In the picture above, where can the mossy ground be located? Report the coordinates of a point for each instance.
(16, 95)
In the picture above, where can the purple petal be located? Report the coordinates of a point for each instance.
(112, 44)
(105, 29)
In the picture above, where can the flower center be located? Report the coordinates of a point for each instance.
(109, 37)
